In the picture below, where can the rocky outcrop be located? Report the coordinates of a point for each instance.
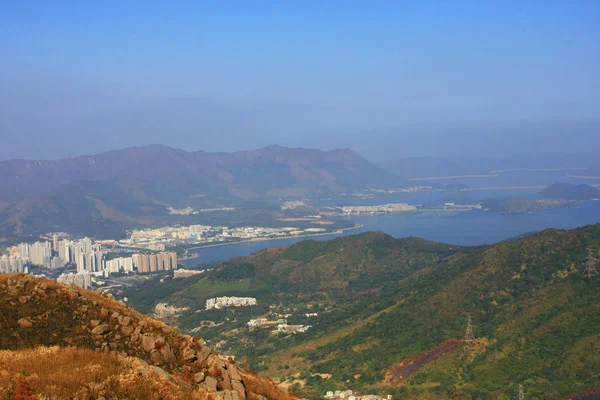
(55, 314)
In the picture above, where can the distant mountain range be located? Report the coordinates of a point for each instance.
(133, 185)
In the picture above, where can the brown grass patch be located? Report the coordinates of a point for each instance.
(63, 373)
(265, 387)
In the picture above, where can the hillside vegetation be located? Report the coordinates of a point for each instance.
(392, 315)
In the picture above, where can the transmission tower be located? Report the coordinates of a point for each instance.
(590, 270)
(469, 335)
(521, 392)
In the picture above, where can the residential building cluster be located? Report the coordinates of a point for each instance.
(186, 273)
(81, 279)
(89, 258)
(223, 302)
(160, 238)
(10, 264)
(380, 209)
(349, 395)
(164, 310)
(38, 253)
(264, 323)
(285, 328)
(290, 205)
(164, 261)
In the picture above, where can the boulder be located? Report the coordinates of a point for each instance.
(23, 299)
(126, 321)
(239, 388)
(199, 377)
(233, 372)
(203, 354)
(101, 329)
(167, 353)
(94, 323)
(156, 357)
(148, 343)
(211, 384)
(189, 355)
(225, 382)
(24, 323)
(127, 330)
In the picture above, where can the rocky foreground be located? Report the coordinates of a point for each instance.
(37, 312)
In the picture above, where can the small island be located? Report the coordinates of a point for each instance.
(558, 195)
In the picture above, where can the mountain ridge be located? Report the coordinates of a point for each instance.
(385, 302)
(119, 188)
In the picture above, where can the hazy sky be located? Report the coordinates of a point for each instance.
(388, 79)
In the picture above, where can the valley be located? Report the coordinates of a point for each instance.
(375, 303)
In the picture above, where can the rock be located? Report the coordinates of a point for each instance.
(148, 343)
(160, 342)
(239, 388)
(115, 315)
(228, 395)
(236, 395)
(117, 337)
(203, 354)
(168, 354)
(126, 321)
(215, 360)
(226, 380)
(104, 312)
(127, 330)
(199, 377)
(137, 331)
(211, 384)
(24, 323)
(101, 329)
(156, 357)
(233, 372)
(22, 299)
(94, 323)
(189, 355)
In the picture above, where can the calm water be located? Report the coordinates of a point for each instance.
(466, 228)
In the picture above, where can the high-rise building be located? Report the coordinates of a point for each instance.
(39, 253)
(154, 262)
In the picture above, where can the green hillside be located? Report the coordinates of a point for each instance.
(392, 315)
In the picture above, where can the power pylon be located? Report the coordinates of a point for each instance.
(469, 335)
(521, 392)
(590, 270)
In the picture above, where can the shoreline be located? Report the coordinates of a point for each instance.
(337, 232)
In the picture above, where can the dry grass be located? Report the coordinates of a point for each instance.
(63, 373)
(265, 387)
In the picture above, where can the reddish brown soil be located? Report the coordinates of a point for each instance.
(398, 373)
(592, 394)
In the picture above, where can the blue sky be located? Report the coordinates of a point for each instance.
(422, 78)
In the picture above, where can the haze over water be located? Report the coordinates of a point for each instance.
(462, 228)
